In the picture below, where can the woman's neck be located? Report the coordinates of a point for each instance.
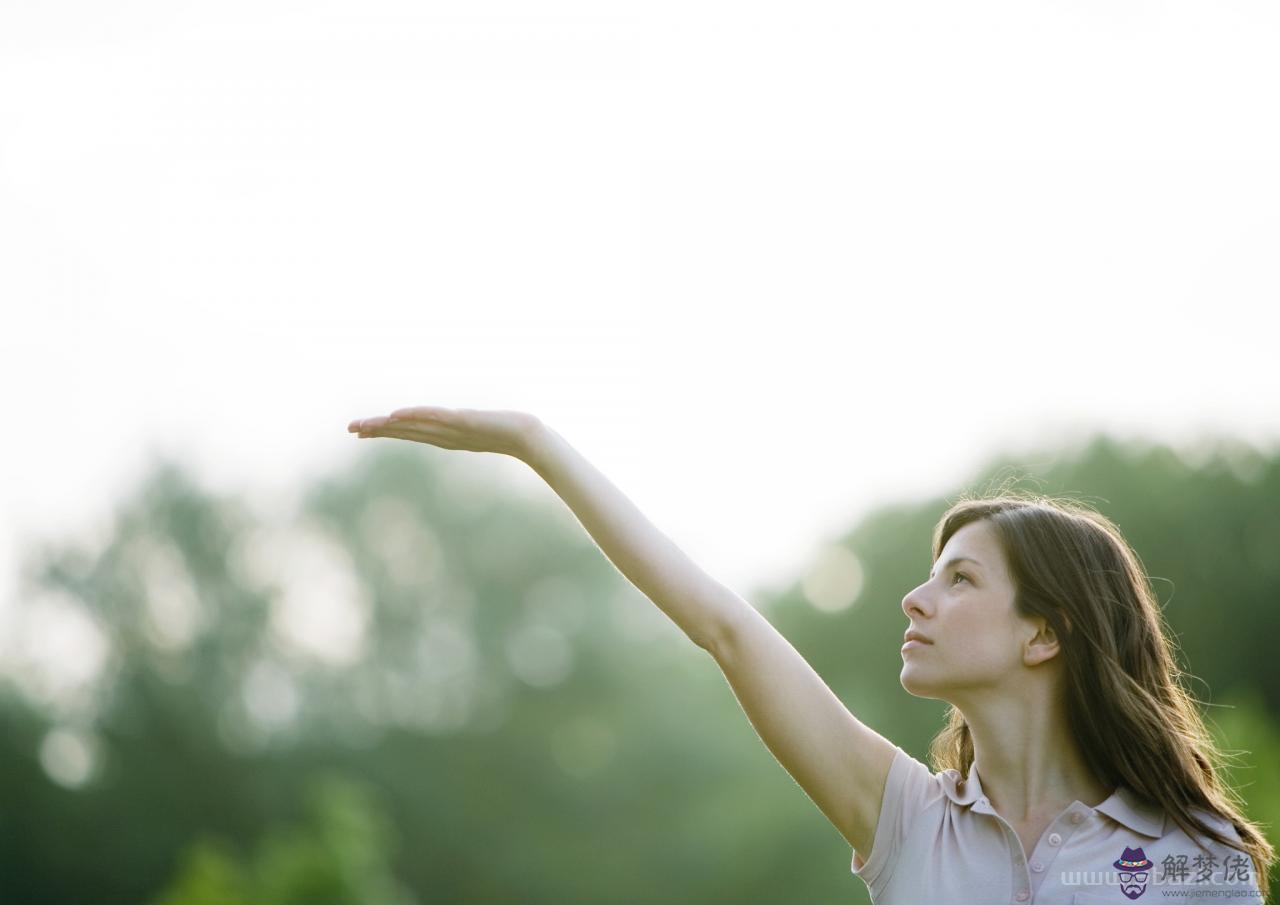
(1026, 759)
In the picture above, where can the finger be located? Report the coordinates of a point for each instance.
(428, 412)
(367, 423)
(407, 433)
(412, 436)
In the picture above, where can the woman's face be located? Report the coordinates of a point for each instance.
(966, 611)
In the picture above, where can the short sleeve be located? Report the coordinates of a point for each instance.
(909, 789)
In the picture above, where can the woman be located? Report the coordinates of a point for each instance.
(1074, 767)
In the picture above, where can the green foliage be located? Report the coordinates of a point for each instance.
(338, 858)
(209, 874)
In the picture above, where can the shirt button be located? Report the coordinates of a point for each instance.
(1055, 839)
(1024, 895)
(1037, 866)
(1077, 817)
(982, 801)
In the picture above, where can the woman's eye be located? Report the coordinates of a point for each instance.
(960, 575)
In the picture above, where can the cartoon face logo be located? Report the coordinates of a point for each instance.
(1134, 868)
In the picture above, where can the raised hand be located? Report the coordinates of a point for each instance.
(476, 430)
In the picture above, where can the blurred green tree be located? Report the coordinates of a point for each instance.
(338, 858)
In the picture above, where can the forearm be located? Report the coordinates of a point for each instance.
(700, 605)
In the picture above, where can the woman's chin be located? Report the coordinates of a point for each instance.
(915, 685)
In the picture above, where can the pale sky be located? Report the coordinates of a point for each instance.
(766, 265)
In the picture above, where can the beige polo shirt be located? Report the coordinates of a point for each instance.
(938, 840)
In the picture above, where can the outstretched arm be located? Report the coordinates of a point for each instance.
(840, 763)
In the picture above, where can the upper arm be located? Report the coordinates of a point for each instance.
(841, 763)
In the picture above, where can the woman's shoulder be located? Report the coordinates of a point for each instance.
(1216, 821)
(1202, 843)
(934, 785)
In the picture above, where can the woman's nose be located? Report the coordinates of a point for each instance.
(914, 603)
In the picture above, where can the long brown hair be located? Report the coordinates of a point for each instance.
(1126, 704)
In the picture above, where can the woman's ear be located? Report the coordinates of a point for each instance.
(1043, 645)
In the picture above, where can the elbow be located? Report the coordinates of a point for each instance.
(718, 637)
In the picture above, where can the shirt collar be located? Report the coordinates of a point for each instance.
(1124, 806)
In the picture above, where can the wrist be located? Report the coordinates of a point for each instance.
(535, 444)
